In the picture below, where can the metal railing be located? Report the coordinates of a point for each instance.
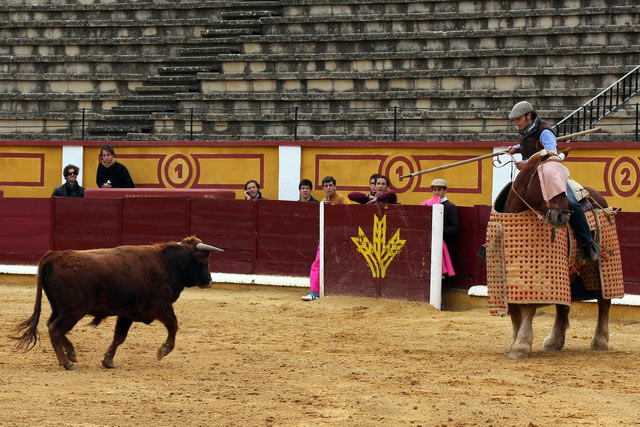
(601, 105)
(397, 123)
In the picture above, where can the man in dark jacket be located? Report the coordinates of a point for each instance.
(451, 225)
(70, 188)
(112, 174)
(536, 134)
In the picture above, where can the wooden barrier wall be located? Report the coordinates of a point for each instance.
(378, 272)
(258, 237)
(265, 237)
(24, 230)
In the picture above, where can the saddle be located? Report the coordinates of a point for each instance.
(554, 179)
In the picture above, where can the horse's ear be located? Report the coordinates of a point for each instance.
(544, 155)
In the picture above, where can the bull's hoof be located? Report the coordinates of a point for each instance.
(108, 364)
(69, 366)
(163, 351)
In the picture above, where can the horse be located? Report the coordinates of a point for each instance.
(526, 193)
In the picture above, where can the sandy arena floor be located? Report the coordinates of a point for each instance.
(258, 356)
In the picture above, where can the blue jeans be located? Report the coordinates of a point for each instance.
(578, 220)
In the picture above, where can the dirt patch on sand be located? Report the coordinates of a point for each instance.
(259, 356)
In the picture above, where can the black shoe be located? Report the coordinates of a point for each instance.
(591, 252)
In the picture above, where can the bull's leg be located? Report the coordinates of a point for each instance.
(122, 329)
(69, 349)
(601, 337)
(66, 344)
(57, 330)
(171, 323)
(521, 347)
(555, 339)
(516, 321)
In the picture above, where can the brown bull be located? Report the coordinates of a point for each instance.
(135, 283)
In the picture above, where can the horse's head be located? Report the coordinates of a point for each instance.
(527, 192)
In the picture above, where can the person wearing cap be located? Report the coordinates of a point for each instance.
(535, 135)
(451, 226)
(70, 188)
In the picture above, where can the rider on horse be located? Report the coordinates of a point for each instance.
(536, 135)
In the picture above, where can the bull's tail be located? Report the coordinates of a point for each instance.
(27, 332)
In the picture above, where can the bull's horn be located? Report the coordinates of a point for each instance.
(203, 247)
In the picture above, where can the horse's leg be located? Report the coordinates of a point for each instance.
(521, 348)
(516, 321)
(601, 337)
(555, 339)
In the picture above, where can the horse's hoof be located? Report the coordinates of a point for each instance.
(70, 367)
(108, 364)
(599, 347)
(518, 355)
(552, 346)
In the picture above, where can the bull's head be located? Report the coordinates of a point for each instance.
(191, 257)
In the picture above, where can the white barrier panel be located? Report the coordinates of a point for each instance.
(435, 286)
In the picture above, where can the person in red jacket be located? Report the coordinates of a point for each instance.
(383, 194)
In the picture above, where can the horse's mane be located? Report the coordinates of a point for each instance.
(520, 184)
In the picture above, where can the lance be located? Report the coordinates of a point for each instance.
(486, 156)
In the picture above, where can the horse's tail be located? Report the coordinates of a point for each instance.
(27, 331)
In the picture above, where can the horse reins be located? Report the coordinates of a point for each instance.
(534, 210)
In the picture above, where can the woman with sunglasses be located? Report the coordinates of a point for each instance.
(70, 188)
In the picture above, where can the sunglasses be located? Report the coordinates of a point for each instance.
(72, 173)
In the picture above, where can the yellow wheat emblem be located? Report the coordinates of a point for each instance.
(380, 253)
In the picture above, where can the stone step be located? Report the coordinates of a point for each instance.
(213, 68)
(369, 72)
(419, 23)
(451, 19)
(252, 14)
(118, 129)
(142, 109)
(237, 23)
(301, 7)
(229, 32)
(50, 6)
(167, 89)
(184, 79)
(584, 51)
(208, 51)
(506, 37)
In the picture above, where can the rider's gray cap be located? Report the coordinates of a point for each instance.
(520, 109)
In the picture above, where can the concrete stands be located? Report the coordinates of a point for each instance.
(341, 69)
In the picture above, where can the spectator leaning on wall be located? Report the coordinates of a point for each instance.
(382, 194)
(70, 188)
(111, 173)
(305, 191)
(329, 187)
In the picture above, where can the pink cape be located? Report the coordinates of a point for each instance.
(447, 265)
